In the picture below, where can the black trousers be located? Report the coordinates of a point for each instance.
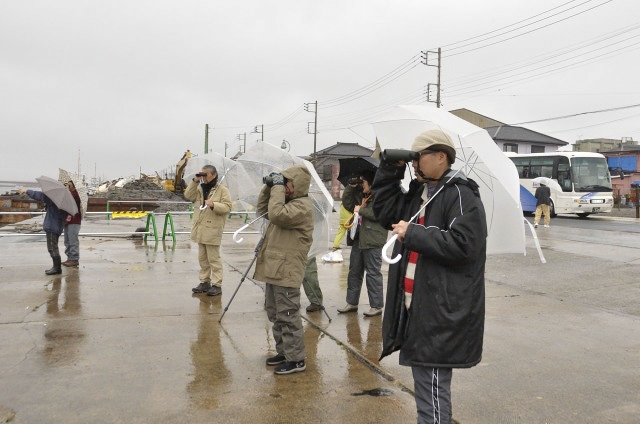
(52, 245)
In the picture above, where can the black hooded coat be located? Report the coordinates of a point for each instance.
(444, 326)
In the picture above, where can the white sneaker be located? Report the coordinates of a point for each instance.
(348, 308)
(546, 226)
(535, 225)
(333, 256)
(373, 312)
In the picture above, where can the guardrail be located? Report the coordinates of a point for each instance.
(151, 228)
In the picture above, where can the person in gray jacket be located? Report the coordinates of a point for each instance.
(282, 260)
(366, 248)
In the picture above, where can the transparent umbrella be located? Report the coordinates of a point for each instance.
(477, 156)
(230, 173)
(264, 158)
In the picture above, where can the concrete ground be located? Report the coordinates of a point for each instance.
(122, 339)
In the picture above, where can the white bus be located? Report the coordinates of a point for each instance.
(583, 181)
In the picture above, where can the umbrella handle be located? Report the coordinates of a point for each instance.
(238, 231)
(387, 245)
(203, 207)
(241, 229)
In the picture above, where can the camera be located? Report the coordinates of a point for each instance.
(201, 174)
(355, 181)
(395, 155)
(268, 180)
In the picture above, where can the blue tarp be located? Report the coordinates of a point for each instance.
(627, 163)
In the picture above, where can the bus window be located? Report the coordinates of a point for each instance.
(522, 165)
(542, 167)
(564, 175)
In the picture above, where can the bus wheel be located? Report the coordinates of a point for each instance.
(583, 215)
(552, 209)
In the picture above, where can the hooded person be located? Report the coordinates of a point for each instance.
(435, 301)
(282, 259)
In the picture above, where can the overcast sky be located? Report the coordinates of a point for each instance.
(129, 85)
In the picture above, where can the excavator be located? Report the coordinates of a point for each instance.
(176, 185)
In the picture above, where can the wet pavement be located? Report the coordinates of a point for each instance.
(123, 339)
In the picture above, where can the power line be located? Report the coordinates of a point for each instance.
(547, 65)
(544, 57)
(527, 32)
(507, 26)
(579, 114)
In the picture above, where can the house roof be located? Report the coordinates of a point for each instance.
(345, 149)
(521, 134)
(475, 118)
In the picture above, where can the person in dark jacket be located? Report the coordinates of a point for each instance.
(72, 230)
(543, 200)
(53, 225)
(435, 302)
(366, 248)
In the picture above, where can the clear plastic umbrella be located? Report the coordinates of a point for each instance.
(264, 158)
(549, 182)
(64, 176)
(230, 173)
(477, 156)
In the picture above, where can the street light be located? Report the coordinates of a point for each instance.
(285, 145)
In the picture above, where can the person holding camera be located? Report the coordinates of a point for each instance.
(435, 294)
(53, 225)
(366, 247)
(212, 204)
(282, 260)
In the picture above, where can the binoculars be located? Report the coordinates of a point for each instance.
(268, 180)
(355, 181)
(201, 174)
(395, 155)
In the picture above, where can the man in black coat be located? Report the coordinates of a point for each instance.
(543, 200)
(435, 293)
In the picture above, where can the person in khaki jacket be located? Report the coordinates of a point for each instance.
(207, 226)
(282, 259)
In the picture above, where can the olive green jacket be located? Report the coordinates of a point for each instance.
(371, 234)
(282, 259)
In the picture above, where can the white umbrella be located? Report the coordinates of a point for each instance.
(58, 194)
(477, 156)
(264, 158)
(549, 182)
(64, 176)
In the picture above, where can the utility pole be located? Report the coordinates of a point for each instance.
(425, 58)
(206, 138)
(243, 137)
(255, 130)
(315, 124)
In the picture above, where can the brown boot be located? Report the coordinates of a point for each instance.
(70, 263)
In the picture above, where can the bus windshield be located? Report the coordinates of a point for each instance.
(590, 174)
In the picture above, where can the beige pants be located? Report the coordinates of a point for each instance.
(542, 209)
(210, 264)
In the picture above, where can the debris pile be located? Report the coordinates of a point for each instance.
(145, 190)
